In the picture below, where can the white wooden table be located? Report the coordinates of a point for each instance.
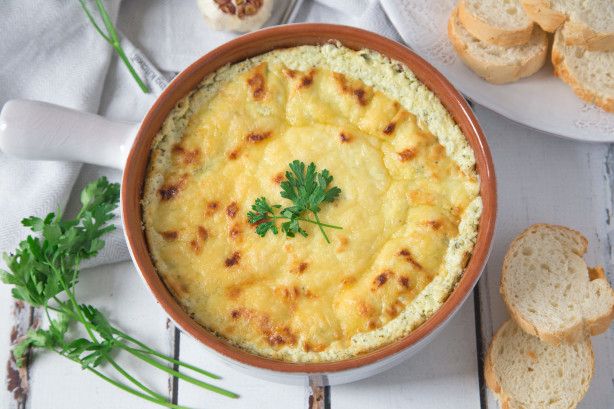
(540, 179)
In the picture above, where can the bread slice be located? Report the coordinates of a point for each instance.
(589, 73)
(494, 63)
(589, 24)
(526, 373)
(548, 288)
(503, 23)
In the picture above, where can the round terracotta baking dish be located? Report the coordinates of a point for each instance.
(136, 164)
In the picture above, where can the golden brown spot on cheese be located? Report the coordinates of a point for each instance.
(290, 73)
(348, 281)
(309, 347)
(234, 154)
(381, 279)
(235, 231)
(288, 294)
(234, 292)
(372, 324)
(196, 246)
(404, 281)
(299, 268)
(307, 293)
(170, 235)
(257, 84)
(256, 137)
(212, 207)
(343, 244)
(405, 253)
(362, 96)
(278, 178)
(232, 210)
(187, 156)
(406, 154)
(364, 309)
(345, 137)
(169, 191)
(203, 234)
(389, 128)
(235, 314)
(394, 309)
(284, 336)
(434, 224)
(307, 79)
(399, 117)
(233, 260)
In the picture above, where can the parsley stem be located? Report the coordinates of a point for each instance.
(88, 327)
(113, 39)
(146, 349)
(143, 356)
(178, 374)
(303, 219)
(320, 226)
(124, 387)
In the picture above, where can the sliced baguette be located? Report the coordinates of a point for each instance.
(494, 63)
(497, 22)
(548, 289)
(589, 24)
(589, 73)
(525, 373)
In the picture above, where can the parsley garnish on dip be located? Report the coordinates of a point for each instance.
(307, 191)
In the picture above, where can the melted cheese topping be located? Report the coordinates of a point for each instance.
(402, 210)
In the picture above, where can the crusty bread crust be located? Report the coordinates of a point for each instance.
(492, 381)
(488, 33)
(493, 73)
(542, 13)
(562, 71)
(575, 333)
(576, 33)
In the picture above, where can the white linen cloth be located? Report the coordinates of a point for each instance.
(50, 52)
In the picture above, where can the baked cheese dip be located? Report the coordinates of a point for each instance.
(409, 205)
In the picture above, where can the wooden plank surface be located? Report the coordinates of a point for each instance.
(541, 179)
(547, 179)
(442, 375)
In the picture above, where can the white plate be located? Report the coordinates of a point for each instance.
(541, 101)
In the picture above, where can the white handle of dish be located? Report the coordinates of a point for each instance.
(42, 131)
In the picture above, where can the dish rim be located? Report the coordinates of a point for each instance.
(257, 43)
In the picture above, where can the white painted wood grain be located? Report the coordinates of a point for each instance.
(545, 179)
(442, 375)
(255, 393)
(6, 302)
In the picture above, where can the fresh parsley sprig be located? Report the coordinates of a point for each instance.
(307, 190)
(44, 271)
(112, 38)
